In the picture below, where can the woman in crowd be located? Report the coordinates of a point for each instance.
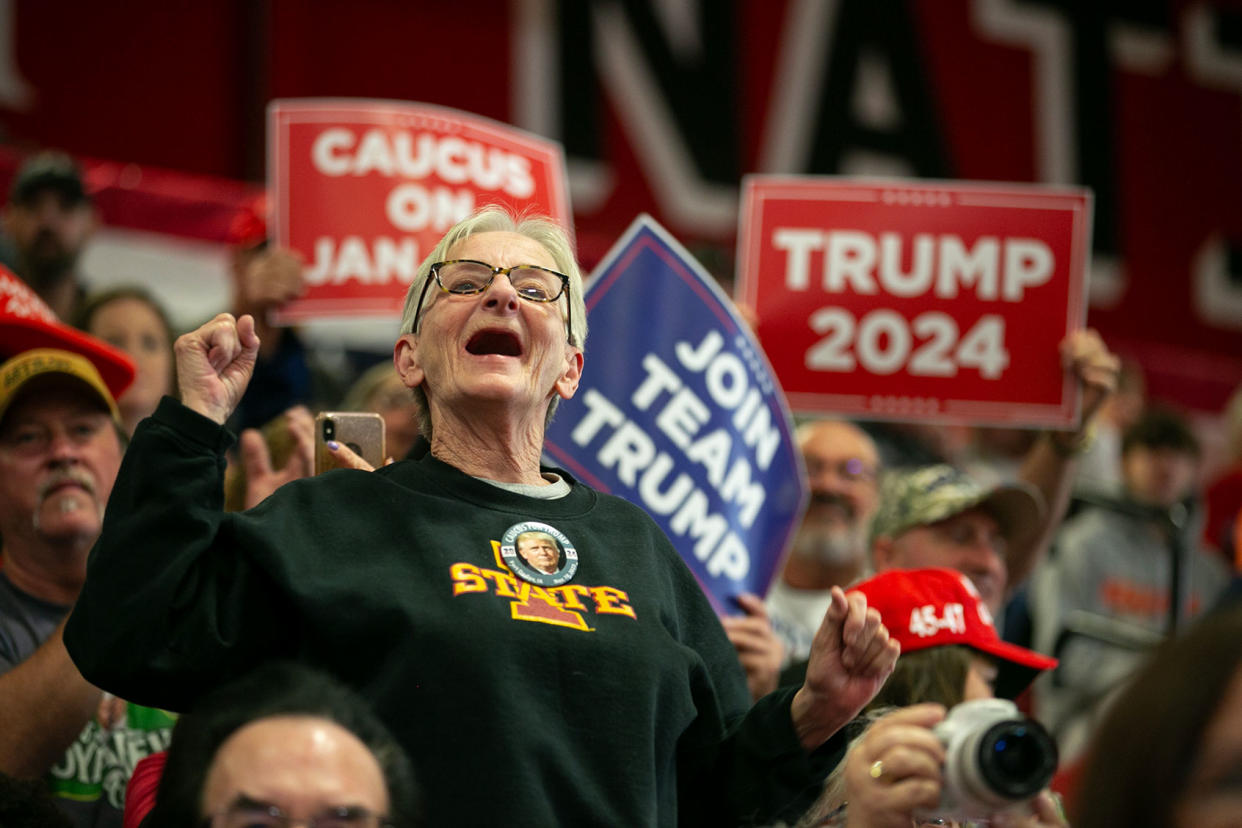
(132, 320)
(1168, 753)
(603, 693)
(951, 653)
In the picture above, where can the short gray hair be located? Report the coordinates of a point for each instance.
(495, 218)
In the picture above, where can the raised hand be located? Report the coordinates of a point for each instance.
(215, 363)
(851, 657)
(269, 279)
(347, 458)
(1084, 354)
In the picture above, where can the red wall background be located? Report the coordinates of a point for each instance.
(1143, 101)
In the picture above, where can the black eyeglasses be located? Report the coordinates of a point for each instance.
(247, 813)
(465, 277)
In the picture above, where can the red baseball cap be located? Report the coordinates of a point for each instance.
(26, 323)
(935, 607)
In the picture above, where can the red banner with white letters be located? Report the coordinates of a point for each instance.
(365, 189)
(942, 301)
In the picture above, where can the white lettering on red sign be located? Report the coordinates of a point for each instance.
(381, 261)
(883, 342)
(997, 269)
(412, 207)
(454, 160)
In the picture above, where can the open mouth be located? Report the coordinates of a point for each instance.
(502, 343)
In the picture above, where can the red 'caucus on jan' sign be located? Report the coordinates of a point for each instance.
(363, 190)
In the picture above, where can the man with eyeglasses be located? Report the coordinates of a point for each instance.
(939, 516)
(830, 549)
(60, 448)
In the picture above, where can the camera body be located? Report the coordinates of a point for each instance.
(995, 758)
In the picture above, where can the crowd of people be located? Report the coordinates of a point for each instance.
(235, 640)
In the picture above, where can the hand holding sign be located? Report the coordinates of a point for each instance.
(1095, 367)
(268, 279)
(851, 658)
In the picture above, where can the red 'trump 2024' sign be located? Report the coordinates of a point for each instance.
(936, 301)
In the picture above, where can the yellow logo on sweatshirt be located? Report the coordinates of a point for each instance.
(564, 606)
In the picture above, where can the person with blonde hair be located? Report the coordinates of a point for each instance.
(603, 693)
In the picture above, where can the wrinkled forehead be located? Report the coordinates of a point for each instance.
(501, 248)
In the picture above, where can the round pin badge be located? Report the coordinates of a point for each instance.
(539, 553)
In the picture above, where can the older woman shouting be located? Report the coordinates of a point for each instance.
(588, 685)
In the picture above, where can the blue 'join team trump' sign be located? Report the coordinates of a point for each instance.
(679, 413)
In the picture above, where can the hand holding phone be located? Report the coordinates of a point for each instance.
(361, 431)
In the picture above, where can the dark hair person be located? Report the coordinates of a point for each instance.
(295, 697)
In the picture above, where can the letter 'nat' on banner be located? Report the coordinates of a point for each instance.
(928, 300)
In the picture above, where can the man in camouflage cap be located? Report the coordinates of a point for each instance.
(938, 516)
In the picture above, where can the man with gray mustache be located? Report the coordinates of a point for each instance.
(63, 482)
(60, 450)
(830, 549)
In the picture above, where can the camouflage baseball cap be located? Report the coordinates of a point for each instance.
(929, 494)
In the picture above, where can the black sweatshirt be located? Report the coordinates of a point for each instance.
(612, 699)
